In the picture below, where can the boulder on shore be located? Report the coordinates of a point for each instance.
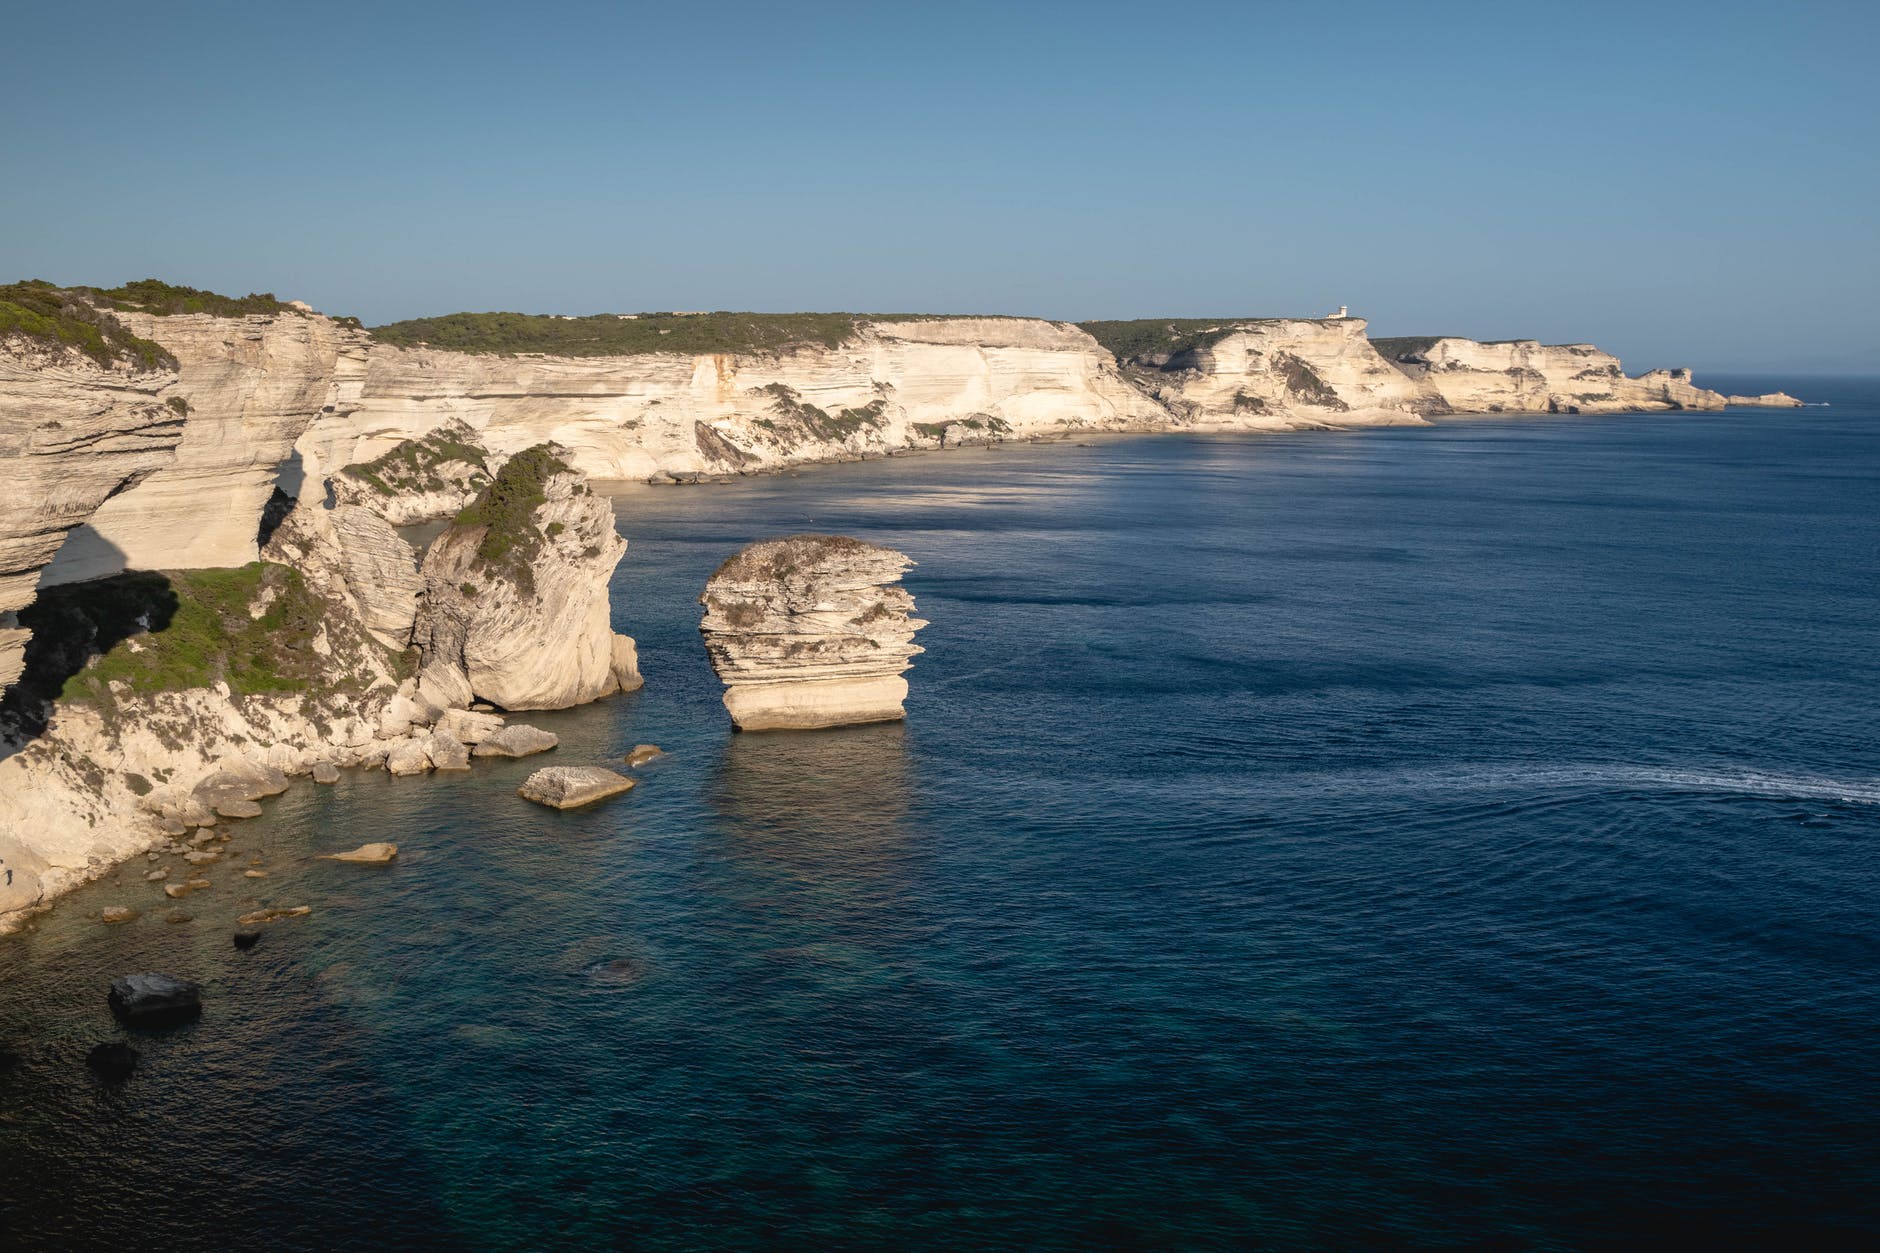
(154, 999)
(365, 854)
(811, 631)
(568, 787)
(519, 740)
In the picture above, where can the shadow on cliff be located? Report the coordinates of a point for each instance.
(71, 624)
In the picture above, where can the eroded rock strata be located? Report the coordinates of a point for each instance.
(74, 431)
(811, 631)
(1523, 376)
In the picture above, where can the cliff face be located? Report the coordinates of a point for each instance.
(1281, 374)
(1523, 376)
(73, 433)
(515, 594)
(896, 385)
(811, 631)
(252, 386)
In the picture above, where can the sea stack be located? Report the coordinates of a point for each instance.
(811, 631)
(515, 601)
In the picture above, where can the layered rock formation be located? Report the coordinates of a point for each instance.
(515, 602)
(417, 480)
(74, 432)
(1278, 374)
(893, 386)
(250, 386)
(1523, 376)
(811, 631)
(1768, 400)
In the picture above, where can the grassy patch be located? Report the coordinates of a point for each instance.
(66, 317)
(252, 628)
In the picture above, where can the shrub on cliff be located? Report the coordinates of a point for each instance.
(615, 335)
(150, 295)
(506, 512)
(40, 313)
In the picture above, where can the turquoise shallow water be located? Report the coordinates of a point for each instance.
(1422, 837)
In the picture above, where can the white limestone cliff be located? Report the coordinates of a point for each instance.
(73, 433)
(252, 385)
(1281, 374)
(895, 385)
(515, 606)
(1524, 376)
(811, 631)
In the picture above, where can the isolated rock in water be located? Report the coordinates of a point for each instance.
(152, 999)
(643, 753)
(811, 631)
(520, 740)
(467, 726)
(515, 602)
(366, 854)
(626, 664)
(566, 787)
(118, 913)
(325, 772)
(256, 917)
(112, 1062)
(247, 939)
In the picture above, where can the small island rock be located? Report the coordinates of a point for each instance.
(153, 998)
(811, 631)
(365, 854)
(643, 753)
(568, 787)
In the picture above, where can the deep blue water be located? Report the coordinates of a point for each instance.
(1438, 837)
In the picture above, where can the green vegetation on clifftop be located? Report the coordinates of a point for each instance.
(37, 311)
(1162, 338)
(615, 335)
(150, 295)
(506, 512)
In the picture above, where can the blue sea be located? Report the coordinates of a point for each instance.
(1450, 837)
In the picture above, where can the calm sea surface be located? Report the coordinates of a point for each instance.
(1429, 837)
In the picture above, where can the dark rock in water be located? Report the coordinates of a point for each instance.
(9, 1060)
(112, 1062)
(618, 972)
(150, 1000)
(247, 939)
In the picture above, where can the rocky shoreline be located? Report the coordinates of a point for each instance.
(204, 591)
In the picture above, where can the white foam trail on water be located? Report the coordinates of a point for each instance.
(1724, 780)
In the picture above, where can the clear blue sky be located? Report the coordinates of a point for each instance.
(1683, 183)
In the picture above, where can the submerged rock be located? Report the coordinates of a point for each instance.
(811, 631)
(568, 787)
(112, 1062)
(257, 917)
(365, 855)
(517, 741)
(153, 999)
(643, 753)
(118, 913)
(246, 939)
